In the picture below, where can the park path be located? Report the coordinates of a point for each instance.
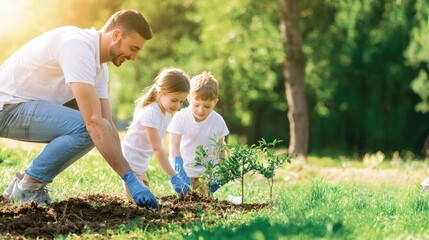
(400, 176)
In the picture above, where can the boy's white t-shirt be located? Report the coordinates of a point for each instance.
(194, 134)
(135, 145)
(43, 68)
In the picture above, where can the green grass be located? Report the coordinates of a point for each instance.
(310, 208)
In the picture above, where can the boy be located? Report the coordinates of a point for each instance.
(196, 125)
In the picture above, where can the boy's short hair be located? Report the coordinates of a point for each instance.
(204, 86)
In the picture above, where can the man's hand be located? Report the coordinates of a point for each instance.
(180, 186)
(142, 196)
(178, 166)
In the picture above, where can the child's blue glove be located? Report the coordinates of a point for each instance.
(180, 186)
(214, 187)
(178, 166)
(142, 196)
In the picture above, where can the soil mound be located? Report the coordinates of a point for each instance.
(99, 212)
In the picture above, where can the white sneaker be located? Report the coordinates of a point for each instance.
(24, 192)
(18, 177)
(234, 199)
(425, 184)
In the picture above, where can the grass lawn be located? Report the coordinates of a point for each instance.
(326, 198)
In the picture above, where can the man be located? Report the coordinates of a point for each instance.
(64, 64)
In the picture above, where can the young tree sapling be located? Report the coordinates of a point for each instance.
(272, 162)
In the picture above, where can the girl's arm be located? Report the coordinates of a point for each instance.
(179, 185)
(156, 144)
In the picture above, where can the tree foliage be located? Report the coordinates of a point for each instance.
(366, 73)
(417, 54)
(357, 76)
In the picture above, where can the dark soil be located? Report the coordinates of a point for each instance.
(97, 213)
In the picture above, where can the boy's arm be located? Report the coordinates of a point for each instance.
(221, 141)
(222, 154)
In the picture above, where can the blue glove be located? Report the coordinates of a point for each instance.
(142, 196)
(180, 186)
(178, 166)
(214, 187)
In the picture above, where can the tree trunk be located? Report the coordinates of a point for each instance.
(242, 189)
(425, 149)
(294, 77)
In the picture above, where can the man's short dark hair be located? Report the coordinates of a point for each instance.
(129, 21)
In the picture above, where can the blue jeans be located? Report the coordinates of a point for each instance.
(39, 121)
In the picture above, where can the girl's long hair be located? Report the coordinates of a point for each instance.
(169, 80)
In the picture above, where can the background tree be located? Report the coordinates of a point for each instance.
(294, 76)
(241, 46)
(357, 77)
(365, 67)
(417, 56)
(174, 43)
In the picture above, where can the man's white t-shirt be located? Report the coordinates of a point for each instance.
(135, 145)
(43, 68)
(194, 134)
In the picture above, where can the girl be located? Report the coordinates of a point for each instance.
(152, 115)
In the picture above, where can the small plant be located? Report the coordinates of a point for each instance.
(202, 159)
(240, 160)
(209, 163)
(272, 162)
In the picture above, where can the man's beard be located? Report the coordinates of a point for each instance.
(114, 53)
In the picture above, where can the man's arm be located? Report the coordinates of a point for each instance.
(105, 140)
(106, 112)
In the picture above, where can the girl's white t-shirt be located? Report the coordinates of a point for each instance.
(43, 68)
(194, 134)
(135, 145)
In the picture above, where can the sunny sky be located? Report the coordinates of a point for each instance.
(12, 13)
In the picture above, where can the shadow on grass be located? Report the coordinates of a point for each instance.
(262, 228)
